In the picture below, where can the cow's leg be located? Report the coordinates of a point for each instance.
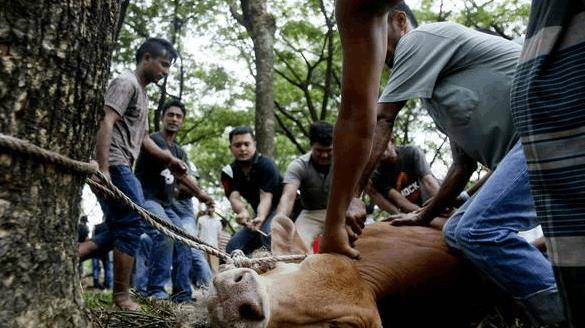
(486, 233)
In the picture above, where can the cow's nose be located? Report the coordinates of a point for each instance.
(251, 311)
(241, 295)
(240, 278)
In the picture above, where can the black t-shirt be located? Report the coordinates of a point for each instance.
(158, 183)
(263, 175)
(404, 175)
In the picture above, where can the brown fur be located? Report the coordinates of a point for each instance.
(407, 273)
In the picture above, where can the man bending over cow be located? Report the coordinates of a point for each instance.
(309, 173)
(403, 180)
(255, 178)
(463, 78)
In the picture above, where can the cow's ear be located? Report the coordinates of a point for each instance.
(285, 238)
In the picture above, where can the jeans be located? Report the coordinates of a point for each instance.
(141, 265)
(485, 229)
(166, 254)
(124, 226)
(96, 269)
(248, 240)
(200, 271)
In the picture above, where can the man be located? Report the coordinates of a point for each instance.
(255, 178)
(548, 106)
(122, 132)
(310, 174)
(159, 185)
(208, 230)
(403, 181)
(463, 78)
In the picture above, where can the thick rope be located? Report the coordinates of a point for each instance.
(106, 188)
(25, 147)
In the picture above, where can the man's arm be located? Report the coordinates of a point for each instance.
(456, 179)
(381, 201)
(242, 215)
(363, 29)
(287, 200)
(263, 210)
(430, 184)
(402, 202)
(104, 139)
(177, 167)
(193, 188)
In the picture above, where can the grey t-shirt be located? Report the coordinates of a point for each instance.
(314, 186)
(463, 78)
(127, 98)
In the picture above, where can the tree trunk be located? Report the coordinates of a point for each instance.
(261, 26)
(54, 63)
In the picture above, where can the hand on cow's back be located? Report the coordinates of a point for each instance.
(336, 240)
(414, 218)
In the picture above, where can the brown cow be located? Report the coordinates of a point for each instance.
(407, 273)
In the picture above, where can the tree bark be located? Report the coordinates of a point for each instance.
(261, 26)
(54, 64)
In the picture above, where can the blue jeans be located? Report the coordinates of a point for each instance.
(142, 257)
(96, 269)
(485, 229)
(200, 271)
(124, 226)
(248, 240)
(166, 254)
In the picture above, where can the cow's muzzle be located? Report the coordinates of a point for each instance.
(237, 298)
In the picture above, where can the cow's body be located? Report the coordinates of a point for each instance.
(407, 271)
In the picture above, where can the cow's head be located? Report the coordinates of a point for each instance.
(324, 290)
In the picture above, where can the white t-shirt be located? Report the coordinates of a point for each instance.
(209, 228)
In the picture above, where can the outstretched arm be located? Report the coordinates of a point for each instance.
(174, 164)
(456, 179)
(363, 29)
(381, 201)
(287, 200)
(193, 189)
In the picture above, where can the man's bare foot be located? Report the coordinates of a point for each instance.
(123, 264)
(125, 303)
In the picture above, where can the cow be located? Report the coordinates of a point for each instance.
(406, 277)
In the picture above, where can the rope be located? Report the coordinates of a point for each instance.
(106, 188)
(25, 147)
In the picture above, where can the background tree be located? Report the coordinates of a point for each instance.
(219, 69)
(260, 25)
(51, 94)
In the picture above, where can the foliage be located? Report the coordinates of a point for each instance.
(218, 70)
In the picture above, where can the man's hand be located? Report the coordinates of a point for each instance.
(105, 170)
(409, 219)
(355, 216)
(177, 167)
(256, 223)
(243, 218)
(336, 240)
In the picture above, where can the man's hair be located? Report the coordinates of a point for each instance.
(240, 130)
(321, 132)
(173, 102)
(402, 6)
(156, 47)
